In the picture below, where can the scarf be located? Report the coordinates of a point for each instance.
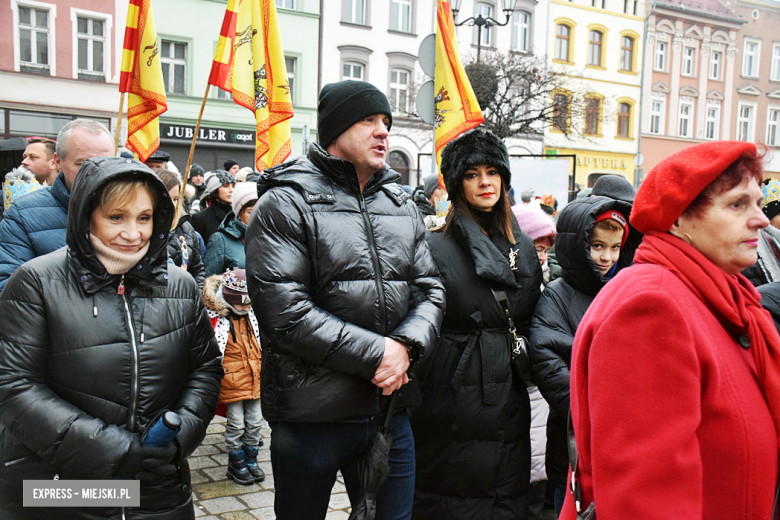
(114, 261)
(732, 299)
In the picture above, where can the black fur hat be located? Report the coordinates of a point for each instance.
(474, 148)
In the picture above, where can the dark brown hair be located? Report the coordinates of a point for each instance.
(501, 222)
(50, 145)
(748, 166)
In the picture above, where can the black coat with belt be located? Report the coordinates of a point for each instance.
(82, 367)
(332, 271)
(472, 430)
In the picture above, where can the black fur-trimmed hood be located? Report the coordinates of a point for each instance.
(474, 148)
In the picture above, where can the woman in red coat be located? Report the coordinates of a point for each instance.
(675, 382)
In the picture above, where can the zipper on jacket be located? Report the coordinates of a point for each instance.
(375, 260)
(134, 382)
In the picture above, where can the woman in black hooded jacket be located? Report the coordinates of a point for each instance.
(472, 431)
(100, 338)
(559, 312)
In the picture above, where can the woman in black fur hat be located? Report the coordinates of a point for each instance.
(472, 430)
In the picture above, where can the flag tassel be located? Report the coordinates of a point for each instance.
(119, 121)
(192, 149)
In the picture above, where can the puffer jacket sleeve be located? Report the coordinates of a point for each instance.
(214, 258)
(551, 343)
(198, 401)
(279, 276)
(15, 245)
(196, 267)
(78, 445)
(420, 328)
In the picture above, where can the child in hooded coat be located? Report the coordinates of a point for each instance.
(238, 336)
(593, 243)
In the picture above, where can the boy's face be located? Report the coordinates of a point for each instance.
(242, 306)
(605, 248)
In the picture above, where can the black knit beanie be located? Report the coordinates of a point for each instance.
(229, 164)
(477, 147)
(345, 103)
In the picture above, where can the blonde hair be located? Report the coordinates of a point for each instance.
(121, 193)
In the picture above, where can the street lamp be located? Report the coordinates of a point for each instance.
(508, 6)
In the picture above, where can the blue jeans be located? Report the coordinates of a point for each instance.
(305, 458)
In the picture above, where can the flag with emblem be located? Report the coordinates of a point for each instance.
(456, 105)
(249, 63)
(142, 79)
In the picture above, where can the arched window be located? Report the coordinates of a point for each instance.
(562, 35)
(593, 114)
(560, 118)
(399, 162)
(624, 120)
(627, 53)
(595, 39)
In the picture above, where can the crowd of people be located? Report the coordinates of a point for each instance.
(611, 357)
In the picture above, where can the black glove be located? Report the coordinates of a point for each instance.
(146, 463)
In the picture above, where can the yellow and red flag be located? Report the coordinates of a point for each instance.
(142, 79)
(249, 63)
(456, 109)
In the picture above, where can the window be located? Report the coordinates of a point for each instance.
(745, 116)
(399, 90)
(626, 53)
(624, 120)
(772, 119)
(711, 123)
(33, 37)
(285, 4)
(223, 94)
(592, 115)
(627, 7)
(750, 59)
(716, 59)
(686, 119)
(91, 43)
(560, 120)
(486, 10)
(352, 71)
(354, 11)
(401, 16)
(173, 58)
(775, 74)
(289, 63)
(657, 116)
(688, 61)
(521, 31)
(562, 33)
(594, 48)
(660, 55)
(399, 162)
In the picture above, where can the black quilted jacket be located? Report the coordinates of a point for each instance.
(331, 272)
(560, 310)
(84, 366)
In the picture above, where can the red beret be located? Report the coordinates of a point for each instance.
(673, 184)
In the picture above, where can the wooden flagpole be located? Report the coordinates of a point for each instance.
(192, 150)
(119, 121)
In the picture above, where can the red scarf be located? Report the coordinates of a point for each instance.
(732, 299)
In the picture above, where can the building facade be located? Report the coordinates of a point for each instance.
(58, 62)
(596, 42)
(691, 73)
(378, 41)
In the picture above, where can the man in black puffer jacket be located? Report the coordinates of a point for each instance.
(347, 294)
(558, 313)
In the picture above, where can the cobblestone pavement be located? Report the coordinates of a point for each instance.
(218, 497)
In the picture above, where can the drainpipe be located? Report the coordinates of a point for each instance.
(319, 54)
(637, 180)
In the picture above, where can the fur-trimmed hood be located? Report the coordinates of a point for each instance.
(474, 148)
(214, 304)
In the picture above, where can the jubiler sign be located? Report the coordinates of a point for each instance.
(215, 135)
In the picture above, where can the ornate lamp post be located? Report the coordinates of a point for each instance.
(508, 6)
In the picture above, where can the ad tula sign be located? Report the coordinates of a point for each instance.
(214, 135)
